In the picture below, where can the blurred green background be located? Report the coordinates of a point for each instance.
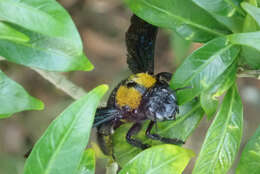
(102, 25)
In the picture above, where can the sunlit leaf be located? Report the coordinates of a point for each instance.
(184, 17)
(32, 15)
(223, 137)
(251, 42)
(208, 98)
(250, 158)
(9, 33)
(62, 145)
(87, 163)
(51, 47)
(14, 98)
(163, 159)
(252, 10)
(203, 67)
(227, 12)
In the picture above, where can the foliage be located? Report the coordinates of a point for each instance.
(66, 137)
(249, 161)
(229, 30)
(159, 159)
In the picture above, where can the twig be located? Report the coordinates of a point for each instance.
(112, 168)
(61, 82)
(249, 73)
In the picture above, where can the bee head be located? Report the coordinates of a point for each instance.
(160, 103)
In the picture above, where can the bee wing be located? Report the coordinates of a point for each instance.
(104, 115)
(140, 42)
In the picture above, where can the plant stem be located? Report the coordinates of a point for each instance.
(249, 73)
(61, 82)
(112, 168)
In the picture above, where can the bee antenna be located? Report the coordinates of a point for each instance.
(187, 87)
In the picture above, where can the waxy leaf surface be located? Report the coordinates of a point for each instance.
(14, 98)
(62, 145)
(223, 138)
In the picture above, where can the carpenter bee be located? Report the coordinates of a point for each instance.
(142, 96)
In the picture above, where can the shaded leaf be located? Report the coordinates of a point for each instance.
(203, 67)
(208, 98)
(188, 119)
(250, 158)
(223, 137)
(227, 12)
(14, 98)
(62, 145)
(250, 57)
(251, 47)
(87, 163)
(173, 14)
(9, 33)
(159, 159)
(252, 11)
(59, 50)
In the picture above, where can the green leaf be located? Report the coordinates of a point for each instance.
(203, 67)
(188, 119)
(184, 17)
(32, 16)
(9, 33)
(252, 10)
(249, 57)
(14, 98)
(226, 12)
(223, 137)
(62, 52)
(208, 98)
(5, 115)
(250, 24)
(62, 145)
(250, 158)
(87, 163)
(159, 159)
(54, 54)
(251, 47)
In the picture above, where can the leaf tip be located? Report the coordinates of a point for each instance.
(104, 87)
(37, 104)
(89, 66)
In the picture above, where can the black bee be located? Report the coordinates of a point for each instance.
(142, 96)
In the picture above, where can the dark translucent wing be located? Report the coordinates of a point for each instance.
(104, 115)
(140, 42)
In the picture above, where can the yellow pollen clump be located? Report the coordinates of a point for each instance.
(128, 97)
(143, 79)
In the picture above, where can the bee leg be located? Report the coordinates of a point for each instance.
(158, 137)
(133, 131)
